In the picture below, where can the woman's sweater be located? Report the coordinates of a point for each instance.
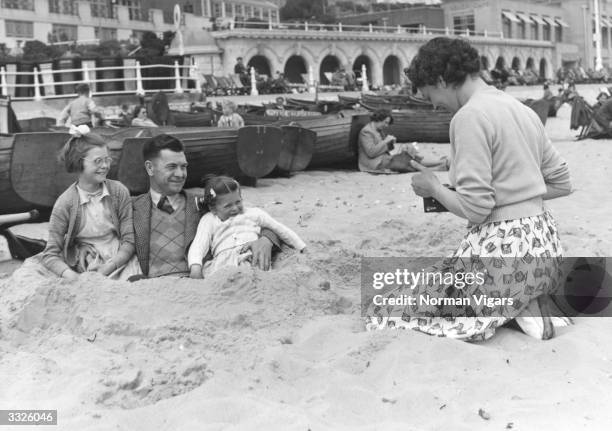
(502, 159)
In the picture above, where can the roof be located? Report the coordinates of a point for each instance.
(510, 16)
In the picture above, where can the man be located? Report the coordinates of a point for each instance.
(166, 218)
(239, 67)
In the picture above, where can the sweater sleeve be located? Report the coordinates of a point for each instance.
(473, 135)
(52, 255)
(372, 145)
(264, 220)
(202, 241)
(554, 168)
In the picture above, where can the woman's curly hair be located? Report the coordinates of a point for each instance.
(450, 59)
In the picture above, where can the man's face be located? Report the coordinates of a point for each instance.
(167, 172)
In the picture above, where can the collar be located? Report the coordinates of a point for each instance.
(174, 200)
(86, 197)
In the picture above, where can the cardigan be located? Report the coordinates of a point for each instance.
(65, 224)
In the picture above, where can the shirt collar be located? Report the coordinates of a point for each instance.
(85, 196)
(156, 196)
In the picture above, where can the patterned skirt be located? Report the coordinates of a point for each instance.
(522, 260)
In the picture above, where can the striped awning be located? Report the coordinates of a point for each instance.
(510, 16)
(550, 21)
(524, 17)
(562, 23)
(538, 19)
(605, 21)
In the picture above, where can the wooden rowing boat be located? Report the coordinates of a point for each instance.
(32, 177)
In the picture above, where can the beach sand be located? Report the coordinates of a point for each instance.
(286, 350)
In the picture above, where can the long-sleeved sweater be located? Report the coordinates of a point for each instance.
(502, 159)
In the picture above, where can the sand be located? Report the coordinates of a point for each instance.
(286, 350)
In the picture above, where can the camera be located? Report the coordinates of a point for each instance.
(431, 205)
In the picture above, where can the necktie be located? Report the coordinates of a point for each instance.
(165, 205)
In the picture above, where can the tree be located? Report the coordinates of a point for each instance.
(305, 10)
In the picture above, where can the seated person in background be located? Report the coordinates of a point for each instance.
(375, 149)
(547, 93)
(227, 228)
(80, 110)
(602, 117)
(125, 117)
(230, 118)
(140, 118)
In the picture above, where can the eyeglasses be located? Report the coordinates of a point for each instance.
(99, 161)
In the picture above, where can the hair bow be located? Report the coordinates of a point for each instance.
(212, 193)
(78, 131)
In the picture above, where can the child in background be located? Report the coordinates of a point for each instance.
(80, 110)
(230, 118)
(228, 226)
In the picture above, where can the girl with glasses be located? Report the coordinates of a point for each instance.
(91, 224)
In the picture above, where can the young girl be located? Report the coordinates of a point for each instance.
(228, 227)
(230, 118)
(91, 224)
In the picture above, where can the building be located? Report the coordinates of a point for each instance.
(412, 18)
(97, 20)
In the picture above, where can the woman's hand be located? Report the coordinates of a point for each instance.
(425, 183)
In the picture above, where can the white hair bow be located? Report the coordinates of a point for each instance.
(78, 131)
(212, 193)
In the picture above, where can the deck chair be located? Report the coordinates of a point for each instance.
(239, 87)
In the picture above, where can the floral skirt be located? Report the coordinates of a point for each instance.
(522, 258)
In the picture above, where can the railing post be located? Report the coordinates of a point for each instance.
(37, 95)
(370, 28)
(446, 31)
(3, 84)
(399, 28)
(305, 25)
(254, 91)
(485, 33)
(340, 27)
(311, 84)
(269, 22)
(424, 30)
(467, 32)
(364, 79)
(177, 78)
(195, 73)
(139, 88)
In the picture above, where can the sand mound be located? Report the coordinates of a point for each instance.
(156, 339)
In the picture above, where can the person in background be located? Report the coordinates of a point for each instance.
(140, 118)
(80, 110)
(230, 118)
(547, 93)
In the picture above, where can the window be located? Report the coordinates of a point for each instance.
(239, 10)
(228, 9)
(546, 31)
(102, 8)
(103, 34)
(217, 10)
(63, 32)
(604, 37)
(19, 28)
(535, 31)
(135, 10)
(188, 8)
(247, 11)
(461, 23)
(18, 4)
(64, 7)
(507, 27)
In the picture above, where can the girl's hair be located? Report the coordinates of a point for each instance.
(380, 115)
(137, 110)
(450, 59)
(73, 151)
(215, 185)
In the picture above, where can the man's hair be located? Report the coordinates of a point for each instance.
(239, 58)
(153, 146)
(450, 59)
(82, 89)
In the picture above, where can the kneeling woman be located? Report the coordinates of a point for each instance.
(375, 148)
(91, 224)
(503, 168)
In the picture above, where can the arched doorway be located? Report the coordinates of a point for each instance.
(360, 61)
(261, 65)
(543, 68)
(330, 64)
(484, 62)
(500, 63)
(295, 68)
(530, 64)
(391, 71)
(516, 63)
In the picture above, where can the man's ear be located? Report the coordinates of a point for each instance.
(149, 167)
